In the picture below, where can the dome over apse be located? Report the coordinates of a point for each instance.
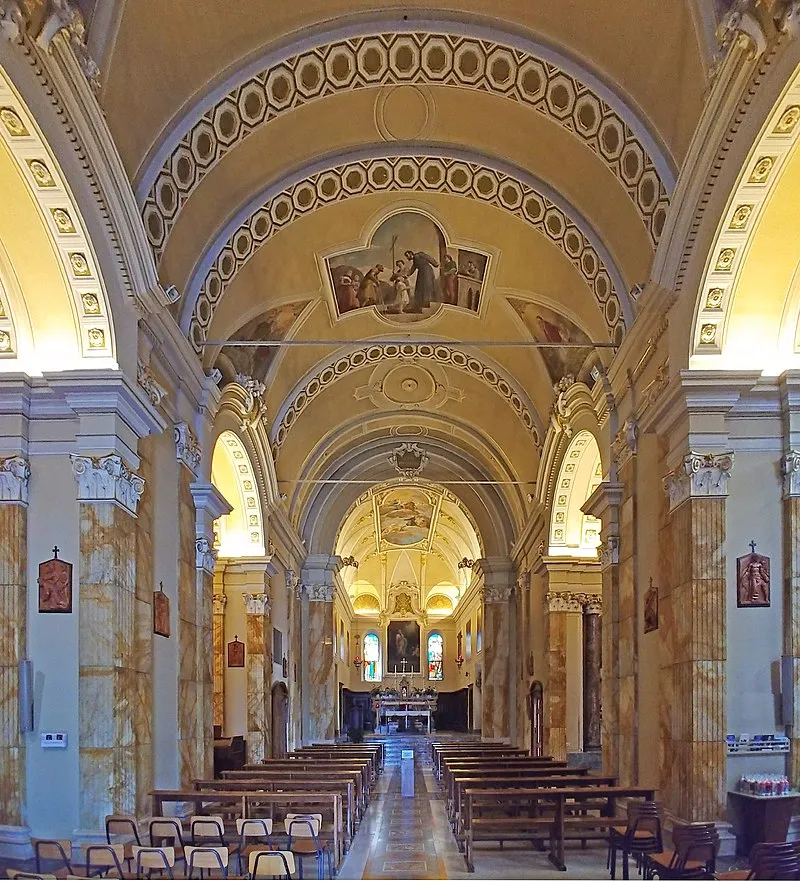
(439, 604)
(366, 604)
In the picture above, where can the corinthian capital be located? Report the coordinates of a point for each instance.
(790, 468)
(741, 26)
(107, 479)
(14, 475)
(563, 601)
(257, 604)
(205, 555)
(219, 601)
(699, 475)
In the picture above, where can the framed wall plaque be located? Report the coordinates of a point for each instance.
(160, 613)
(752, 580)
(55, 585)
(651, 608)
(236, 653)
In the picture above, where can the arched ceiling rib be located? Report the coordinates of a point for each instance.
(552, 86)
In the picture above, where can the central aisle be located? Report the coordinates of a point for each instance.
(402, 837)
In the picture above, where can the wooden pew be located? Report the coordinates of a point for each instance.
(289, 775)
(251, 802)
(537, 826)
(366, 744)
(315, 765)
(314, 783)
(490, 781)
(373, 754)
(478, 754)
(464, 765)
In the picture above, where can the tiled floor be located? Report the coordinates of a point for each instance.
(411, 838)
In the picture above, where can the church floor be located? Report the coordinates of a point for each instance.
(404, 837)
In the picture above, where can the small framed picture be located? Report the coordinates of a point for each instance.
(55, 585)
(236, 653)
(160, 613)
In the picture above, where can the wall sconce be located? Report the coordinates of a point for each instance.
(459, 661)
(357, 662)
(349, 561)
(466, 563)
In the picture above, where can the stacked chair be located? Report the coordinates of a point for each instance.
(641, 835)
(694, 853)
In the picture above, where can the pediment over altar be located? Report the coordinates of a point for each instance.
(403, 604)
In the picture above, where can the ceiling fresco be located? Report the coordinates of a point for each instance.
(407, 272)
(405, 516)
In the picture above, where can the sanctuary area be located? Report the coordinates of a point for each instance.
(399, 438)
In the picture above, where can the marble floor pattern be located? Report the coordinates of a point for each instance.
(403, 837)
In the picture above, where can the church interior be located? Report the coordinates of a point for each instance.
(400, 438)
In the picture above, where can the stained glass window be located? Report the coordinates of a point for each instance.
(372, 658)
(435, 656)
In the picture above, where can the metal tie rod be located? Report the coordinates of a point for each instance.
(336, 480)
(465, 344)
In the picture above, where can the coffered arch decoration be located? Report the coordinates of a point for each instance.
(750, 283)
(240, 533)
(326, 375)
(500, 65)
(63, 318)
(453, 173)
(573, 533)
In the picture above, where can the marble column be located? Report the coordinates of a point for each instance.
(219, 600)
(207, 504)
(294, 600)
(497, 574)
(591, 673)
(259, 676)
(318, 655)
(604, 503)
(790, 465)
(692, 633)
(559, 605)
(14, 475)
(108, 493)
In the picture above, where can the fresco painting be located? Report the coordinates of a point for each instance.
(405, 516)
(407, 272)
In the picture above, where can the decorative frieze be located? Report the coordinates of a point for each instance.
(497, 593)
(205, 555)
(257, 604)
(790, 468)
(219, 601)
(187, 448)
(147, 380)
(699, 475)
(107, 479)
(319, 593)
(625, 444)
(14, 475)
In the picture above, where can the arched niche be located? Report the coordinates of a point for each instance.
(573, 533)
(56, 311)
(240, 533)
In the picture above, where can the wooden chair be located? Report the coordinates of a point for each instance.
(53, 849)
(303, 831)
(641, 834)
(104, 858)
(694, 855)
(206, 859)
(154, 859)
(765, 859)
(207, 830)
(256, 830)
(270, 864)
(125, 827)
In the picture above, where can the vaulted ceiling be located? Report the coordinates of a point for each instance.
(280, 153)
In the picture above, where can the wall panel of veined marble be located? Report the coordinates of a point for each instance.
(321, 679)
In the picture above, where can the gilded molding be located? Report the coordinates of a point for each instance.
(219, 601)
(205, 555)
(790, 469)
(740, 25)
(147, 380)
(700, 475)
(107, 479)
(15, 473)
(187, 448)
(257, 604)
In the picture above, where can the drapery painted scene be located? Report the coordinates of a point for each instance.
(402, 644)
(408, 271)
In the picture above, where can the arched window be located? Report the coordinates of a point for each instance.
(341, 640)
(372, 658)
(435, 656)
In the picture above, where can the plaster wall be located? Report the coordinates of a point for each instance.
(53, 775)
(235, 677)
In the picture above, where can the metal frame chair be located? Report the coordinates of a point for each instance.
(641, 834)
(306, 828)
(113, 858)
(59, 846)
(270, 856)
(145, 860)
(206, 857)
(263, 835)
(168, 829)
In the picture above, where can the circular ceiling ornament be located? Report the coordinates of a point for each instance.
(409, 386)
(405, 112)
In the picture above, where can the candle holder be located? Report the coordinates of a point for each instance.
(459, 661)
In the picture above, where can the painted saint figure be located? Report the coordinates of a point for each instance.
(369, 288)
(425, 285)
(449, 280)
(346, 295)
(402, 289)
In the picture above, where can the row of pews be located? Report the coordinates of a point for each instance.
(335, 780)
(497, 793)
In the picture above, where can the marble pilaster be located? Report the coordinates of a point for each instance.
(592, 665)
(497, 574)
(321, 698)
(604, 503)
(259, 676)
(107, 692)
(790, 465)
(693, 678)
(219, 600)
(13, 635)
(295, 643)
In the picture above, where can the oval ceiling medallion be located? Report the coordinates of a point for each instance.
(403, 113)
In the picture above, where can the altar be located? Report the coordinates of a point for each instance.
(390, 711)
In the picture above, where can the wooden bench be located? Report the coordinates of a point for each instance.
(478, 765)
(365, 745)
(321, 784)
(364, 767)
(289, 775)
(477, 754)
(373, 755)
(547, 815)
(251, 803)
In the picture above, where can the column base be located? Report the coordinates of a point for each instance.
(15, 843)
(593, 758)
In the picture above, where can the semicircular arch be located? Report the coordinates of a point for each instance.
(573, 533)
(241, 532)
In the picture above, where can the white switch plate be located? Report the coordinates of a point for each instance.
(54, 740)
